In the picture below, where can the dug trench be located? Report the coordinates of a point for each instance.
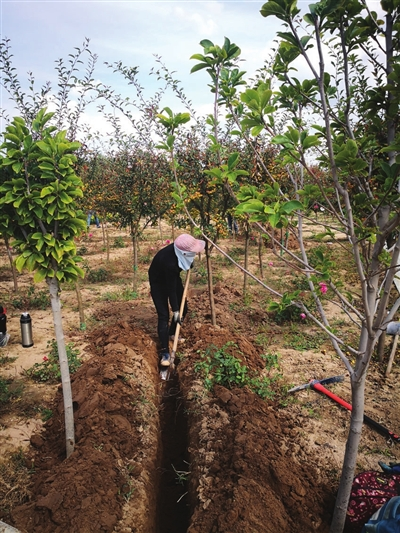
(142, 444)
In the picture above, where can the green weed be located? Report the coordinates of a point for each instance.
(31, 298)
(182, 476)
(303, 341)
(5, 360)
(82, 250)
(125, 295)
(284, 310)
(49, 369)
(14, 480)
(9, 390)
(236, 252)
(118, 242)
(97, 275)
(218, 366)
(201, 274)
(45, 413)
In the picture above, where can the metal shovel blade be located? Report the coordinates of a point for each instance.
(326, 381)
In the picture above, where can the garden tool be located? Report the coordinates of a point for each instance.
(165, 373)
(318, 385)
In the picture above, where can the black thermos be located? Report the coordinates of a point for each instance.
(26, 330)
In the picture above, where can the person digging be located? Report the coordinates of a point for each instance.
(166, 287)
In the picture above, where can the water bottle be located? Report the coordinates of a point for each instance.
(26, 330)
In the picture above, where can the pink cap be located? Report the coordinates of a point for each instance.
(187, 243)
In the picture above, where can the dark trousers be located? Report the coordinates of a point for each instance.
(159, 295)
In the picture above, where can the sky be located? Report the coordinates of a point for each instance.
(132, 31)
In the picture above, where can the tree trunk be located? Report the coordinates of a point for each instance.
(135, 259)
(64, 368)
(246, 258)
(260, 249)
(106, 241)
(381, 346)
(160, 228)
(353, 440)
(210, 286)
(82, 324)
(12, 265)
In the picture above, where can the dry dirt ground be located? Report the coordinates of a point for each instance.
(157, 456)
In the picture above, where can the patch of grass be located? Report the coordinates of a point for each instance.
(243, 305)
(82, 250)
(45, 413)
(14, 481)
(97, 275)
(125, 295)
(9, 390)
(220, 367)
(145, 259)
(49, 369)
(236, 252)
(5, 359)
(271, 360)
(31, 298)
(312, 413)
(200, 272)
(302, 341)
(118, 242)
(223, 261)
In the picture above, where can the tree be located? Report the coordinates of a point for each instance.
(41, 188)
(357, 143)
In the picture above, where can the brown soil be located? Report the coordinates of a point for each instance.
(169, 456)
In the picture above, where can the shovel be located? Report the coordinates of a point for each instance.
(165, 373)
(319, 386)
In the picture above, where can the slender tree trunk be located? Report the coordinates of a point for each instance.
(135, 259)
(80, 304)
(106, 241)
(350, 456)
(64, 368)
(210, 286)
(381, 346)
(260, 249)
(12, 265)
(160, 228)
(246, 257)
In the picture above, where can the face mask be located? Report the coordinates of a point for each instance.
(185, 259)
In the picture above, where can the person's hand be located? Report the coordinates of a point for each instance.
(177, 317)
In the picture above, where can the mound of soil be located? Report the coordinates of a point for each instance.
(156, 456)
(238, 464)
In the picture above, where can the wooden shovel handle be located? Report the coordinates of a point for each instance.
(178, 326)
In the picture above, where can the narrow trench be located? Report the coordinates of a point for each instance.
(173, 511)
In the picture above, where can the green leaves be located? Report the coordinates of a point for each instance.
(171, 122)
(220, 63)
(215, 55)
(228, 172)
(258, 104)
(43, 199)
(282, 9)
(347, 157)
(295, 142)
(266, 207)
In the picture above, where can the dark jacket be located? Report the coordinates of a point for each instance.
(164, 275)
(3, 323)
